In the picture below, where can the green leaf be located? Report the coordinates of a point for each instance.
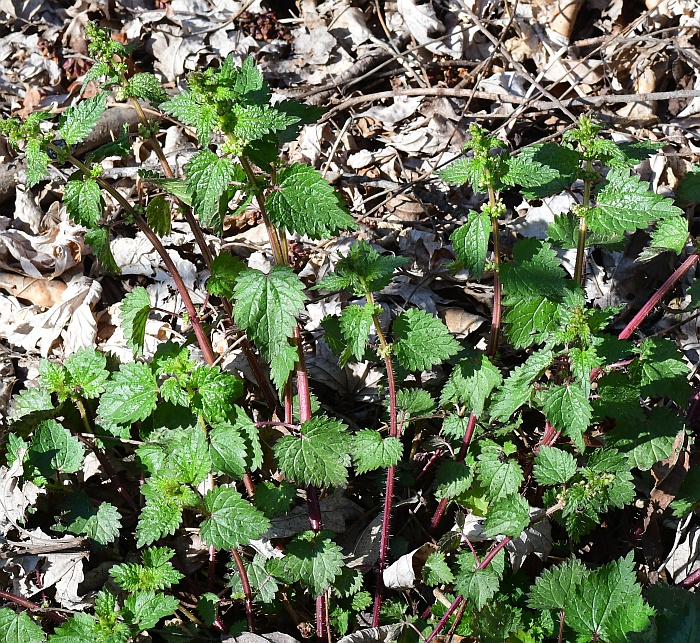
(19, 628)
(131, 395)
(568, 409)
(517, 388)
(553, 586)
(661, 370)
(670, 234)
(312, 559)
(453, 479)
(282, 364)
(303, 202)
(436, 571)
(415, 402)
(208, 608)
(471, 242)
(624, 203)
(31, 403)
(463, 170)
(689, 187)
(78, 121)
(133, 315)
(146, 87)
(637, 151)
(55, 450)
(553, 466)
(471, 383)
(608, 603)
(224, 273)
(156, 572)
(118, 147)
(272, 499)
(157, 519)
(82, 627)
(422, 341)
(525, 171)
(215, 392)
(144, 609)
(83, 200)
(355, 324)
(98, 239)
(37, 162)
(177, 187)
(252, 122)
(583, 361)
(370, 451)
(498, 475)
(192, 109)
(618, 398)
(188, 457)
(263, 586)
(677, 616)
(560, 169)
(649, 441)
(207, 178)
(688, 496)
(320, 456)
(232, 520)
(363, 270)
(87, 373)
(535, 270)
(158, 215)
(266, 308)
(227, 450)
(99, 523)
(508, 516)
(479, 585)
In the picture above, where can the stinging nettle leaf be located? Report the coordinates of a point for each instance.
(54, 449)
(320, 456)
(192, 109)
(133, 314)
(370, 451)
(303, 202)
(471, 242)
(625, 203)
(130, 395)
(18, 627)
(83, 200)
(471, 383)
(78, 121)
(568, 409)
(553, 466)
(87, 373)
(422, 341)
(507, 516)
(158, 215)
(232, 520)
(207, 178)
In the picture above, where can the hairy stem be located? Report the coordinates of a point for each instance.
(250, 616)
(659, 295)
(32, 606)
(579, 276)
(391, 471)
(202, 338)
(277, 253)
(446, 617)
(497, 296)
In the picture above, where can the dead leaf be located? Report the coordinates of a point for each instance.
(40, 292)
(402, 574)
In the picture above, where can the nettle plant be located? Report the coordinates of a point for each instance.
(179, 440)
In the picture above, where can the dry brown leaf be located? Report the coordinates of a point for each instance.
(40, 292)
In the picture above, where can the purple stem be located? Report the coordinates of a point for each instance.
(445, 618)
(659, 295)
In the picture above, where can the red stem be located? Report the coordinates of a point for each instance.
(445, 618)
(33, 607)
(250, 616)
(691, 580)
(659, 295)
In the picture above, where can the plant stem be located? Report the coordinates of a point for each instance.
(277, 253)
(445, 618)
(579, 276)
(250, 616)
(497, 297)
(659, 295)
(391, 471)
(32, 606)
(202, 339)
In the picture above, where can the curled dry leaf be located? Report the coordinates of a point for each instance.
(40, 292)
(402, 574)
(44, 256)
